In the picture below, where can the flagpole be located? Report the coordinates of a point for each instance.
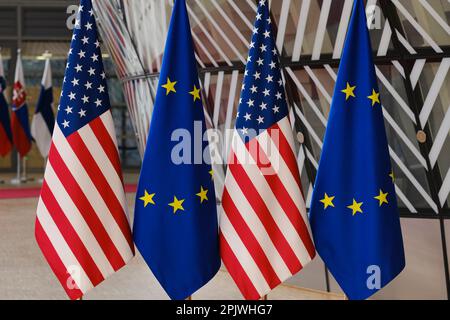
(17, 179)
(24, 170)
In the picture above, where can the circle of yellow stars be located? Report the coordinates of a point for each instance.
(357, 207)
(177, 204)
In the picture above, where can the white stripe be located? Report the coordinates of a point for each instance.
(417, 26)
(321, 29)
(41, 134)
(413, 180)
(209, 37)
(61, 247)
(108, 122)
(77, 221)
(218, 98)
(220, 31)
(445, 190)
(405, 200)
(93, 195)
(301, 28)
(233, 27)
(271, 202)
(205, 51)
(399, 68)
(243, 256)
(435, 15)
(395, 94)
(416, 71)
(342, 30)
(307, 97)
(440, 138)
(331, 72)
(405, 43)
(385, 40)
(257, 228)
(284, 174)
(433, 94)
(109, 172)
(241, 14)
(282, 24)
(318, 84)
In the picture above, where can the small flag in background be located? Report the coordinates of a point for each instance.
(43, 119)
(264, 232)
(82, 225)
(20, 125)
(354, 215)
(175, 224)
(5, 122)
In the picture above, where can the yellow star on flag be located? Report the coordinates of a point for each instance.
(327, 201)
(375, 97)
(349, 91)
(202, 194)
(169, 86)
(195, 93)
(382, 198)
(356, 207)
(392, 175)
(147, 198)
(211, 172)
(177, 204)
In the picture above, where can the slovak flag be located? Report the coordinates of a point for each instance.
(19, 117)
(5, 125)
(44, 119)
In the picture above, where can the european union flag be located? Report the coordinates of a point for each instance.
(175, 226)
(354, 215)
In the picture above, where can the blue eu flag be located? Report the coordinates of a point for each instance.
(175, 226)
(354, 214)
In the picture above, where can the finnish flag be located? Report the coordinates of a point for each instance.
(44, 119)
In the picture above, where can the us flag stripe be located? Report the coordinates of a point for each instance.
(263, 198)
(53, 259)
(250, 218)
(249, 240)
(86, 208)
(82, 223)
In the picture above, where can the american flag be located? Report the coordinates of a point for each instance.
(82, 225)
(264, 232)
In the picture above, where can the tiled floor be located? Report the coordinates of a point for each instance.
(24, 274)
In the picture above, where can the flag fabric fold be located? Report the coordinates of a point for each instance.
(20, 125)
(5, 122)
(44, 119)
(264, 232)
(175, 225)
(354, 215)
(82, 224)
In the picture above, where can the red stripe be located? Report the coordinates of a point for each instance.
(107, 143)
(5, 144)
(85, 208)
(284, 199)
(99, 181)
(249, 240)
(70, 236)
(20, 139)
(286, 152)
(53, 259)
(260, 208)
(236, 271)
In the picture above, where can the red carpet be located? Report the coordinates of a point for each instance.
(21, 193)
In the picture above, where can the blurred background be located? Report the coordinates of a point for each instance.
(411, 42)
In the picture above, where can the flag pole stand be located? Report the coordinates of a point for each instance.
(24, 178)
(17, 179)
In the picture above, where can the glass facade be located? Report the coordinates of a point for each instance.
(411, 42)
